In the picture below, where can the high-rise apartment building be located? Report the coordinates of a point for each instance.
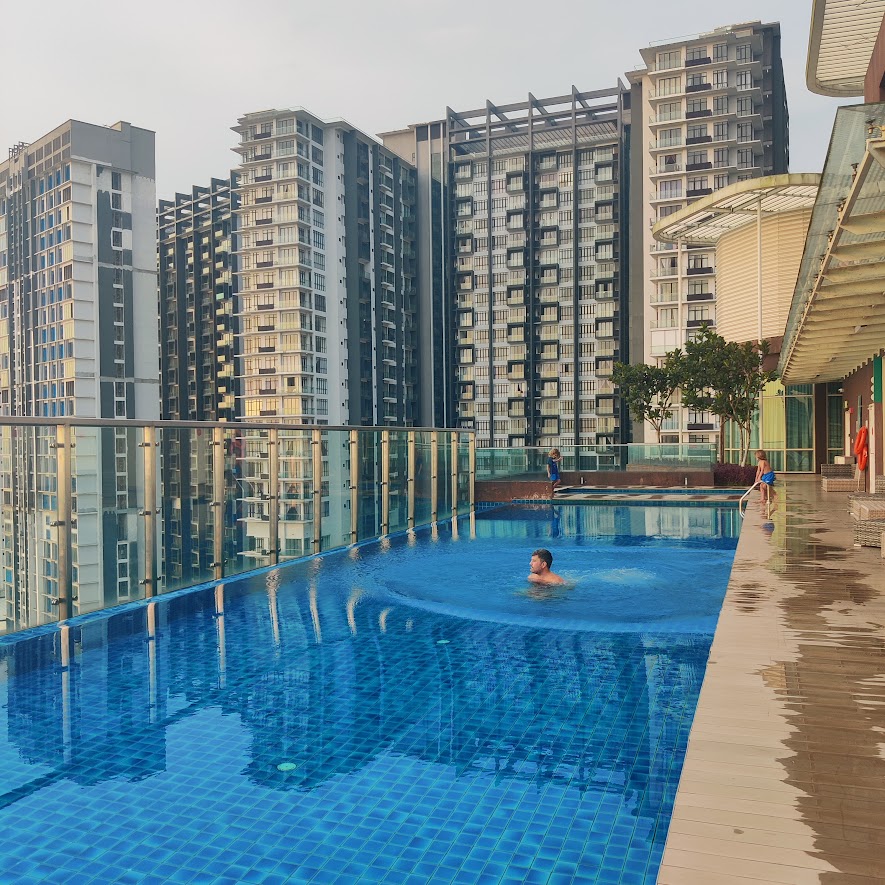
(197, 310)
(78, 338)
(326, 273)
(326, 306)
(198, 324)
(536, 212)
(711, 111)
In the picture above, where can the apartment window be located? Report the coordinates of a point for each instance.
(695, 80)
(720, 181)
(116, 181)
(720, 52)
(697, 106)
(744, 132)
(670, 138)
(664, 211)
(695, 158)
(668, 318)
(699, 314)
(696, 262)
(697, 131)
(697, 184)
(744, 53)
(744, 106)
(720, 158)
(720, 79)
(669, 111)
(720, 105)
(668, 190)
(670, 86)
(745, 158)
(744, 80)
(668, 60)
(696, 53)
(720, 131)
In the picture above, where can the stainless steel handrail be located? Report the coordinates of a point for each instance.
(746, 496)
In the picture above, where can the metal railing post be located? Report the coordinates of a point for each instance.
(218, 497)
(453, 454)
(434, 468)
(413, 463)
(273, 494)
(63, 519)
(471, 454)
(317, 453)
(385, 482)
(354, 486)
(149, 445)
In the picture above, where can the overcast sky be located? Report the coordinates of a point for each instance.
(188, 68)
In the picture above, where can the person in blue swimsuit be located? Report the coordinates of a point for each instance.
(553, 460)
(764, 474)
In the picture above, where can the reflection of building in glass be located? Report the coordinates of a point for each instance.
(197, 334)
(326, 304)
(78, 324)
(533, 227)
(713, 112)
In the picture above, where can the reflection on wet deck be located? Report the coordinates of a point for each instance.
(784, 779)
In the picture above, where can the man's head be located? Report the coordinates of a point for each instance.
(542, 561)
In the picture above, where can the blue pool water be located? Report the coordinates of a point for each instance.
(409, 711)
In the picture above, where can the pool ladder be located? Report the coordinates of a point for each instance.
(746, 496)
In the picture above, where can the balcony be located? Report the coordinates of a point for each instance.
(699, 271)
(698, 87)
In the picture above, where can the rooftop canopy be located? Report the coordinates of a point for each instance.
(708, 218)
(837, 316)
(843, 33)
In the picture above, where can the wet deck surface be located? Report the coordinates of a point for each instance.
(784, 780)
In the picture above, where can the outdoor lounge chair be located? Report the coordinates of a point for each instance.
(838, 478)
(868, 532)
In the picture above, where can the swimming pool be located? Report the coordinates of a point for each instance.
(408, 711)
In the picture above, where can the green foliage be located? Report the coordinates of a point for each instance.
(648, 390)
(724, 378)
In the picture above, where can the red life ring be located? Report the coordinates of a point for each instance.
(862, 460)
(861, 441)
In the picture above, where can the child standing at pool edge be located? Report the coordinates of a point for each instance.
(764, 474)
(553, 460)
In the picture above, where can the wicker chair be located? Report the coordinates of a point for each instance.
(868, 532)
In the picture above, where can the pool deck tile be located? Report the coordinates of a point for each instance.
(784, 777)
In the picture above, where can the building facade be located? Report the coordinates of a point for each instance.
(78, 339)
(198, 325)
(713, 112)
(327, 306)
(534, 212)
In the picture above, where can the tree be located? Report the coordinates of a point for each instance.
(725, 378)
(648, 390)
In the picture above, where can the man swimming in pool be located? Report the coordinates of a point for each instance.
(542, 560)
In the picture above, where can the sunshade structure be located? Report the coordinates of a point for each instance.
(707, 219)
(837, 317)
(758, 228)
(843, 33)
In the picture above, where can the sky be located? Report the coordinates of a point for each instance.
(187, 69)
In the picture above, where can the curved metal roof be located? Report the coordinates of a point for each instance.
(837, 317)
(708, 218)
(843, 33)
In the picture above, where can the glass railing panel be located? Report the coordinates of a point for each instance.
(444, 475)
(108, 561)
(423, 503)
(256, 486)
(399, 480)
(336, 527)
(186, 503)
(463, 473)
(295, 490)
(369, 509)
(233, 504)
